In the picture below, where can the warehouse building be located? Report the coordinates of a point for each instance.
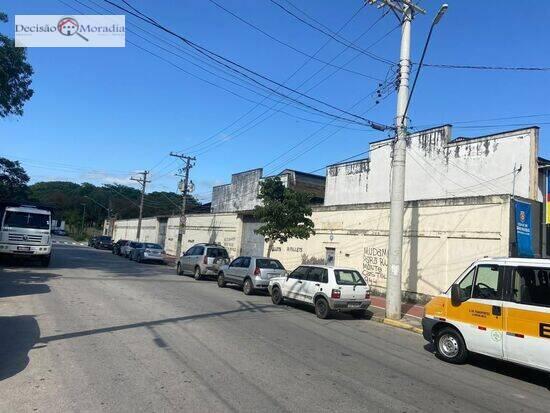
(460, 197)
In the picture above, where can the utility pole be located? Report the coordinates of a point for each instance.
(184, 173)
(143, 181)
(83, 217)
(405, 11)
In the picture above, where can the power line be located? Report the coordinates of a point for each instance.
(332, 36)
(230, 64)
(480, 67)
(379, 90)
(289, 45)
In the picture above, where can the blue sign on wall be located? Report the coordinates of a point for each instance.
(523, 229)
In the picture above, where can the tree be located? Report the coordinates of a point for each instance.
(284, 213)
(15, 76)
(13, 181)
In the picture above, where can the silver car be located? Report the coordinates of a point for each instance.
(147, 251)
(126, 250)
(252, 273)
(202, 259)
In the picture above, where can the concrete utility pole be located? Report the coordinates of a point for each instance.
(143, 181)
(406, 9)
(184, 173)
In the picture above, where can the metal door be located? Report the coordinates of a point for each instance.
(251, 243)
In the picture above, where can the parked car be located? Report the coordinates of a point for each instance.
(92, 241)
(103, 242)
(251, 273)
(117, 246)
(202, 259)
(499, 307)
(326, 288)
(127, 249)
(147, 251)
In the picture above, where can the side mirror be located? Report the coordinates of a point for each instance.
(456, 298)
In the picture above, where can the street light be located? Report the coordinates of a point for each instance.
(440, 13)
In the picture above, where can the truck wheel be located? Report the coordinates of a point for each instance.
(450, 346)
(322, 309)
(45, 261)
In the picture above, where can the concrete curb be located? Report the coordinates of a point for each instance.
(398, 324)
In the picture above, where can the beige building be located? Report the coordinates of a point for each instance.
(459, 208)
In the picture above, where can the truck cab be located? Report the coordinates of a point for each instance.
(26, 232)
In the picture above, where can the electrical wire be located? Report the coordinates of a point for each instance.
(335, 38)
(289, 45)
(236, 67)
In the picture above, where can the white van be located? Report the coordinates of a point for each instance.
(499, 307)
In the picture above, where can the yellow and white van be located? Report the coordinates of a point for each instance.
(499, 307)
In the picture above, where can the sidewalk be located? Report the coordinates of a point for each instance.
(411, 314)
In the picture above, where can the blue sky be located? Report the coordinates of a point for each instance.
(99, 114)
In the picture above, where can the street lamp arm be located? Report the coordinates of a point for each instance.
(436, 20)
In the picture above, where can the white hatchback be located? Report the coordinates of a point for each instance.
(326, 288)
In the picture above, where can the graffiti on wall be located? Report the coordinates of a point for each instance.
(375, 265)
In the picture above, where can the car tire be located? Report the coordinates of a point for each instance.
(248, 287)
(277, 296)
(178, 269)
(450, 346)
(322, 310)
(359, 314)
(221, 280)
(138, 258)
(197, 275)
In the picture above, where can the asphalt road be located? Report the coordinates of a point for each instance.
(95, 332)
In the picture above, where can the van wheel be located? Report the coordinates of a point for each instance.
(450, 346)
(248, 287)
(221, 280)
(322, 309)
(178, 269)
(277, 296)
(197, 275)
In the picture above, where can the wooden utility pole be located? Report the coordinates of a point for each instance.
(143, 181)
(184, 173)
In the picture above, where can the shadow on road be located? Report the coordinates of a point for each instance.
(244, 308)
(24, 283)
(19, 335)
(505, 368)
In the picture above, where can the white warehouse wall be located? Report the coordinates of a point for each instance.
(438, 169)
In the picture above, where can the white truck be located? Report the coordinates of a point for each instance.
(26, 232)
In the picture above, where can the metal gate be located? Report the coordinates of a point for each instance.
(251, 243)
(163, 224)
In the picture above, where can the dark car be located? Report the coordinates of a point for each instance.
(92, 241)
(103, 242)
(117, 246)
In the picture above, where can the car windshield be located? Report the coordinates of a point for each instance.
(26, 220)
(348, 277)
(217, 253)
(271, 264)
(152, 246)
